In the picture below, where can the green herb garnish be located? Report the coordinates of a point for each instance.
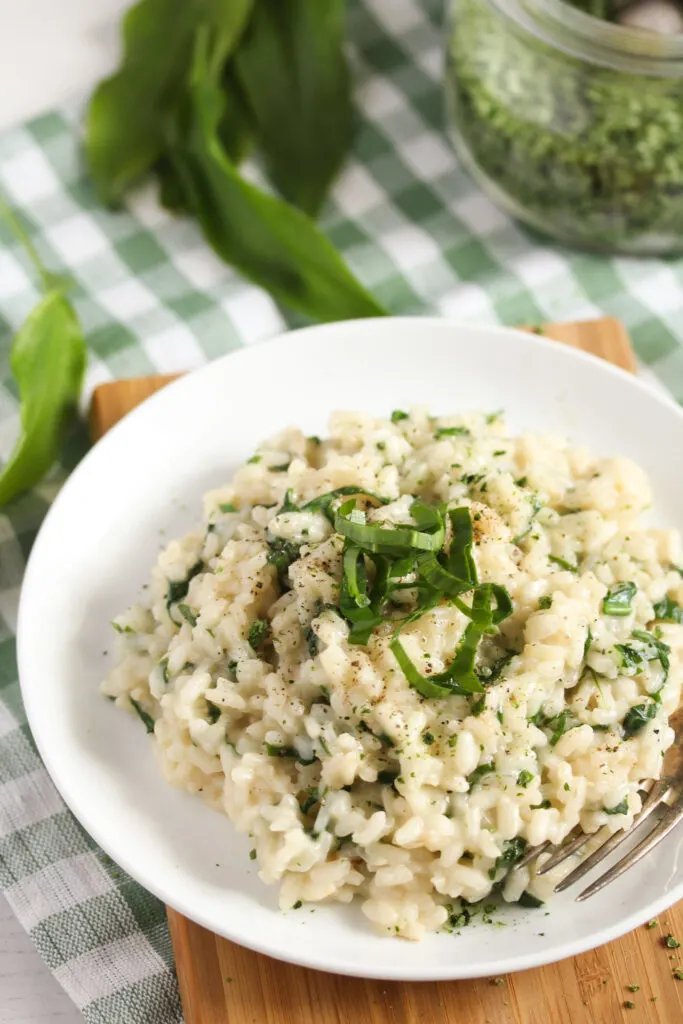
(177, 589)
(637, 717)
(668, 610)
(530, 901)
(483, 769)
(227, 507)
(619, 599)
(143, 715)
(187, 614)
(258, 633)
(563, 564)
(398, 415)
(524, 778)
(452, 432)
(621, 808)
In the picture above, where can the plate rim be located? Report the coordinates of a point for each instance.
(145, 409)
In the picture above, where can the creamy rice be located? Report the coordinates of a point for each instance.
(348, 780)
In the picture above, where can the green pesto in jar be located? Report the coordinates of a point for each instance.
(573, 124)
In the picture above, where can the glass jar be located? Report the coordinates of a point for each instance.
(572, 124)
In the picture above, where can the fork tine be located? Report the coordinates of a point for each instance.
(615, 839)
(566, 849)
(532, 852)
(666, 824)
(577, 838)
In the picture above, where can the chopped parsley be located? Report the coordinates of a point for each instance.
(524, 778)
(545, 602)
(280, 469)
(621, 808)
(252, 855)
(428, 738)
(513, 851)
(671, 942)
(253, 459)
(398, 415)
(227, 507)
(258, 633)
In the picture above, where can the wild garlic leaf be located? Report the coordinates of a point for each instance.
(292, 67)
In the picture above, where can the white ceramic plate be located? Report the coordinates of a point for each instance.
(142, 484)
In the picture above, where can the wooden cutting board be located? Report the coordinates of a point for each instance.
(222, 983)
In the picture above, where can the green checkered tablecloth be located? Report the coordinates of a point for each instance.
(152, 297)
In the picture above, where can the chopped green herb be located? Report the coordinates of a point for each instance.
(530, 901)
(213, 712)
(323, 743)
(187, 614)
(144, 717)
(513, 851)
(498, 981)
(629, 1005)
(227, 507)
(387, 778)
(633, 988)
(312, 642)
(668, 610)
(452, 432)
(477, 775)
(545, 602)
(428, 738)
(671, 942)
(588, 642)
(619, 599)
(177, 589)
(543, 806)
(279, 469)
(281, 554)
(258, 633)
(276, 751)
(678, 974)
(252, 855)
(122, 629)
(500, 451)
(478, 705)
(312, 798)
(522, 482)
(637, 717)
(653, 923)
(563, 564)
(163, 664)
(398, 415)
(524, 778)
(314, 439)
(298, 905)
(254, 459)
(621, 808)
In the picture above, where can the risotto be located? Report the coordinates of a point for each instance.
(399, 656)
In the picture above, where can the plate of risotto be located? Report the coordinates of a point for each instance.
(322, 638)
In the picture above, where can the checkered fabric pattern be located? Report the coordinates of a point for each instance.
(152, 298)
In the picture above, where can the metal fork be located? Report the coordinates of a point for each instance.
(663, 804)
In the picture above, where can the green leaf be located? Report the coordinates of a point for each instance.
(259, 631)
(48, 362)
(272, 243)
(143, 715)
(637, 717)
(619, 598)
(668, 610)
(128, 113)
(292, 67)
(621, 808)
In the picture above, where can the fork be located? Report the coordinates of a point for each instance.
(663, 803)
